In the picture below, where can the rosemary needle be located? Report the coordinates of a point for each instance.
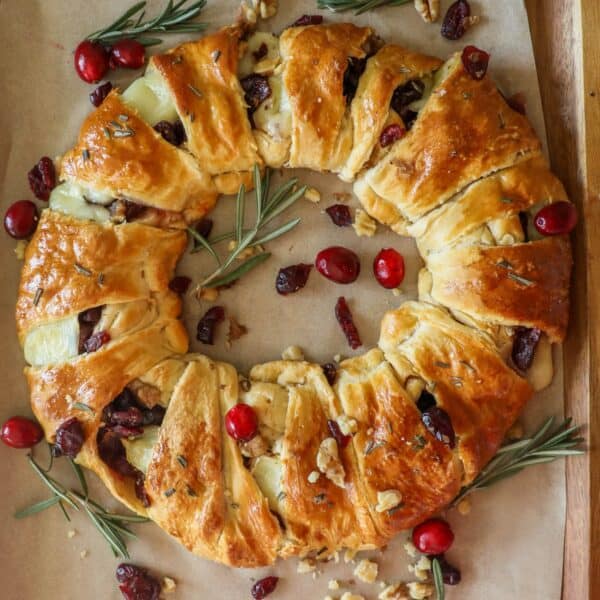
(358, 6)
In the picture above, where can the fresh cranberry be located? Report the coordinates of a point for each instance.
(129, 54)
(21, 432)
(98, 96)
(21, 219)
(340, 215)
(438, 423)
(475, 62)
(330, 372)
(344, 318)
(450, 573)
(291, 279)
(136, 583)
(557, 218)
(91, 61)
(180, 284)
(206, 326)
(391, 134)
(307, 20)
(42, 178)
(69, 437)
(241, 422)
(388, 267)
(263, 587)
(456, 20)
(96, 341)
(434, 536)
(338, 264)
(341, 439)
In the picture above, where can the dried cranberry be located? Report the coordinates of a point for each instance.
(391, 134)
(133, 210)
(437, 422)
(91, 315)
(256, 90)
(21, 432)
(388, 268)
(69, 437)
(344, 318)
(140, 491)
(426, 401)
(127, 53)
(475, 62)
(263, 587)
(98, 96)
(338, 264)
(207, 324)
(403, 96)
(340, 215)
(558, 218)
(136, 583)
(241, 422)
(356, 67)
(204, 227)
(180, 284)
(518, 103)
(112, 452)
(21, 219)
(155, 415)
(524, 220)
(524, 344)
(450, 573)
(434, 536)
(96, 341)
(42, 178)
(341, 439)
(330, 372)
(130, 417)
(262, 51)
(456, 20)
(291, 279)
(307, 20)
(174, 133)
(91, 61)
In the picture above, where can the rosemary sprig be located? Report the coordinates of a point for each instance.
(545, 446)
(112, 526)
(358, 6)
(267, 209)
(438, 579)
(175, 18)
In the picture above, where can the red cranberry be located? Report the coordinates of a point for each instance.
(344, 318)
(308, 20)
(391, 134)
(180, 284)
(338, 264)
(136, 583)
(91, 61)
(450, 573)
(456, 20)
(341, 439)
(330, 372)
(98, 96)
(434, 536)
(388, 267)
(263, 587)
(475, 62)
(241, 422)
(42, 178)
(129, 54)
(206, 326)
(438, 423)
(291, 279)
(21, 432)
(96, 341)
(69, 437)
(557, 218)
(21, 219)
(340, 215)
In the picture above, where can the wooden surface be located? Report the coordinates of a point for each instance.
(567, 47)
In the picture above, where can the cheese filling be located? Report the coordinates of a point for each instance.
(139, 451)
(73, 199)
(52, 342)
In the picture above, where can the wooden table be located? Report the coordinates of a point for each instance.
(566, 37)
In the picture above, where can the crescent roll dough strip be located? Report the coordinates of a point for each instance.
(202, 79)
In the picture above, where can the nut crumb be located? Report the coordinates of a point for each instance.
(313, 476)
(236, 330)
(351, 596)
(337, 358)
(292, 353)
(419, 590)
(71, 533)
(257, 446)
(387, 500)
(363, 224)
(333, 584)
(464, 507)
(516, 432)
(397, 292)
(20, 249)
(306, 565)
(367, 570)
(168, 585)
(313, 195)
(347, 425)
(349, 555)
(207, 294)
(342, 196)
(428, 9)
(328, 462)
(411, 549)
(84, 554)
(422, 569)
(396, 591)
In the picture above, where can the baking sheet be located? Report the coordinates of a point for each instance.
(513, 528)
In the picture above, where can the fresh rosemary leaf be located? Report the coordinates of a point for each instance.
(36, 508)
(246, 266)
(358, 6)
(82, 406)
(438, 579)
(204, 243)
(240, 204)
(80, 476)
(277, 232)
(283, 205)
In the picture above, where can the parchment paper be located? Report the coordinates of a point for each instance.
(510, 546)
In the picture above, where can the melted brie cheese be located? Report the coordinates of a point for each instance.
(248, 63)
(53, 342)
(69, 198)
(269, 402)
(541, 372)
(274, 115)
(150, 96)
(139, 451)
(267, 471)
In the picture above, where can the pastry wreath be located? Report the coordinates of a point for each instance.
(461, 180)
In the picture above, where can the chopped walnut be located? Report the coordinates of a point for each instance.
(420, 590)
(428, 9)
(396, 591)
(71, 533)
(464, 507)
(306, 565)
(84, 554)
(257, 446)
(313, 195)
(387, 500)
(333, 584)
(236, 330)
(410, 548)
(342, 196)
(347, 425)
(367, 570)
(363, 224)
(328, 462)
(207, 294)
(423, 568)
(168, 585)
(268, 9)
(351, 596)
(292, 353)
(20, 249)
(397, 292)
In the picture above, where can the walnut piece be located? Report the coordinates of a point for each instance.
(396, 591)
(292, 353)
(328, 462)
(419, 590)
(312, 195)
(387, 500)
(367, 571)
(428, 9)
(256, 447)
